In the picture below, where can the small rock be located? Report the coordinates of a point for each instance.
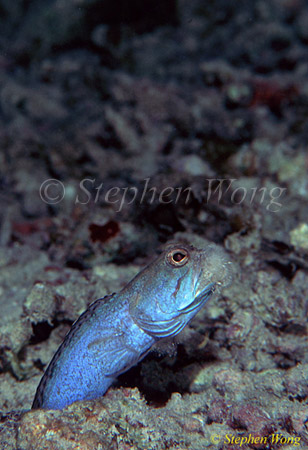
(299, 237)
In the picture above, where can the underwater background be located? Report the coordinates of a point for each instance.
(127, 125)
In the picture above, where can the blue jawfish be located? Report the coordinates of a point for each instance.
(117, 331)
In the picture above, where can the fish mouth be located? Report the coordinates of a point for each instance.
(199, 301)
(171, 327)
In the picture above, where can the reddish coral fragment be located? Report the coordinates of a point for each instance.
(103, 233)
(31, 227)
(27, 228)
(271, 94)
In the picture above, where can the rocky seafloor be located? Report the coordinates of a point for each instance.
(156, 122)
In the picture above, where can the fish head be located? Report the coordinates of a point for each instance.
(170, 291)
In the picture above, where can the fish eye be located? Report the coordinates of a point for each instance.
(177, 257)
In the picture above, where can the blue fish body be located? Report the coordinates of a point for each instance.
(117, 331)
